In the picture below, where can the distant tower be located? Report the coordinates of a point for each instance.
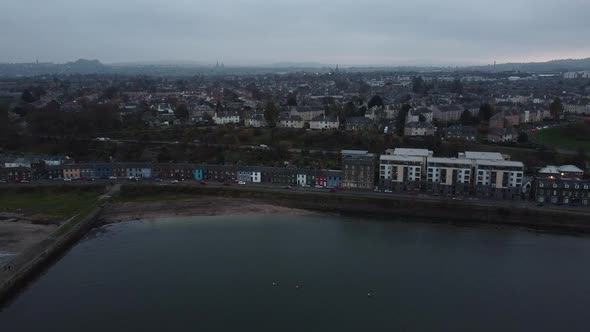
(217, 65)
(37, 61)
(336, 70)
(494, 66)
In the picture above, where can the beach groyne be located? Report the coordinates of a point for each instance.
(29, 264)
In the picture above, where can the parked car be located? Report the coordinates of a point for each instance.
(112, 177)
(174, 181)
(241, 182)
(67, 179)
(333, 190)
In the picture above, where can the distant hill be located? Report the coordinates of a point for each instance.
(538, 67)
(184, 68)
(80, 66)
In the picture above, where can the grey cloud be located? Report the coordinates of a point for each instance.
(260, 31)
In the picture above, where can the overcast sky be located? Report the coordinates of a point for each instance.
(388, 32)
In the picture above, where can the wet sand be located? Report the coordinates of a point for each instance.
(18, 236)
(198, 206)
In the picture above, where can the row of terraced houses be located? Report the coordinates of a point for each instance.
(481, 174)
(180, 172)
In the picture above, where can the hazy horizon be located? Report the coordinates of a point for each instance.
(255, 32)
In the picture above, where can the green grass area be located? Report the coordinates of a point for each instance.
(561, 137)
(48, 204)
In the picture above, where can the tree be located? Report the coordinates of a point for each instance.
(580, 158)
(52, 106)
(400, 122)
(523, 137)
(110, 92)
(207, 118)
(164, 155)
(466, 118)
(375, 101)
(362, 111)
(421, 118)
(485, 112)
(556, 108)
(181, 112)
(27, 96)
(418, 85)
(292, 100)
(457, 86)
(7, 130)
(364, 88)
(271, 114)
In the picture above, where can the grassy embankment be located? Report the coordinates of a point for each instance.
(50, 205)
(563, 137)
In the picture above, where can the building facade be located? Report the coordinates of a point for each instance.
(359, 169)
(451, 176)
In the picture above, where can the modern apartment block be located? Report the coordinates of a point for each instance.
(486, 174)
(498, 178)
(359, 169)
(402, 169)
(449, 175)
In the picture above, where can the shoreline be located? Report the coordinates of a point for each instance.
(434, 210)
(196, 206)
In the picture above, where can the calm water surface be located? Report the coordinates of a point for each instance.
(217, 274)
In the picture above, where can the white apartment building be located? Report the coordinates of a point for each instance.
(576, 109)
(324, 122)
(291, 122)
(255, 121)
(165, 108)
(449, 171)
(422, 153)
(400, 169)
(499, 174)
(226, 118)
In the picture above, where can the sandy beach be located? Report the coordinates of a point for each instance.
(18, 236)
(198, 206)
